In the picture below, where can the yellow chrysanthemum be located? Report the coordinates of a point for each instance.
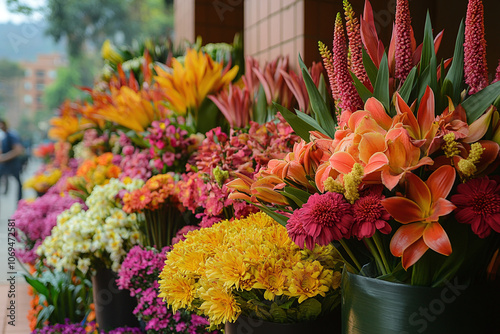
(178, 291)
(271, 277)
(220, 306)
(308, 280)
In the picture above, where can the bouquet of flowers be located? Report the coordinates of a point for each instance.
(45, 152)
(251, 267)
(43, 180)
(96, 171)
(93, 238)
(409, 169)
(139, 274)
(35, 220)
(158, 200)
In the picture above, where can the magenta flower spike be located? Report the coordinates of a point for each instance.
(403, 52)
(349, 97)
(475, 67)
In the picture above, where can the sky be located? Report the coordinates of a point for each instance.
(6, 16)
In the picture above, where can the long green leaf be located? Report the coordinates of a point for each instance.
(323, 89)
(276, 216)
(363, 92)
(381, 87)
(477, 104)
(300, 127)
(318, 105)
(456, 73)
(406, 89)
(260, 109)
(309, 120)
(370, 67)
(300, 194)
(37, 285)
(427, 45)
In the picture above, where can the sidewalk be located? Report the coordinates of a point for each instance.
(22, 306)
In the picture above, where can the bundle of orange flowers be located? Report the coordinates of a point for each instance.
(158, 199)
(96, 171)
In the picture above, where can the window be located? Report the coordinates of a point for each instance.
(28, 85)
(40, 73)
(28, 99)
(39, 98)
(40, 86)
(52, 74)
(27, 73)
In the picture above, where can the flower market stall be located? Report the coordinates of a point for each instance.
(192, 195)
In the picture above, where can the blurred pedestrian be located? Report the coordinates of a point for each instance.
(11, 150)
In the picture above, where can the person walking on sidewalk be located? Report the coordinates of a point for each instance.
(10, 162)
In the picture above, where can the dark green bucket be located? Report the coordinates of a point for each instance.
(372, 306)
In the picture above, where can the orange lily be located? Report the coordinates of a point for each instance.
(419, 213)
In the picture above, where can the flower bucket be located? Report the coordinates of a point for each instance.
(113, 307)
(328, 324)
(372, 306)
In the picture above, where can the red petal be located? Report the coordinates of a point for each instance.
(418, 192)
(342, 162)
(378, 112)
(436, 238)
(403, 108)
(402, 209)
(413, 253)
(441, 181)
(389, 180)
(405, 236)
(441, 207)
(376, 161)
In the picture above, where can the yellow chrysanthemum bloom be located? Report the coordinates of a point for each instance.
(308, 280)
(216, 265)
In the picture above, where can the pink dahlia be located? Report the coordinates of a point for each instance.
(297, 232)
(370, 215)
(478, 204)
(325, 217)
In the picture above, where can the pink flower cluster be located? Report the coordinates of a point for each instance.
(327, 217)
(241, 151)
(170, 146)
(139, 274)
(35, 220)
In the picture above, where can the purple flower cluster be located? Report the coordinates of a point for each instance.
(68, 328)
(170, 146)
(139, 274)
(35, 220)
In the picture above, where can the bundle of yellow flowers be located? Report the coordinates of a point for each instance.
(250, 267)
(41, 182)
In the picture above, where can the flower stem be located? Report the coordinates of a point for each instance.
(373, 250)
(351, 254)
(380, 247)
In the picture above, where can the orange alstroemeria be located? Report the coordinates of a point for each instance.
(419, 213)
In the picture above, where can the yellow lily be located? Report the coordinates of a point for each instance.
(187, 85)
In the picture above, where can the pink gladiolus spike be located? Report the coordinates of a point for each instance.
(349, 97)
(327, 57)
(403, 51)
(475, 67)
(355, 46)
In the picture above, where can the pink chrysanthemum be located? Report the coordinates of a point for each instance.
(475, 66)
(297, 232)
(370, 215)
(349, 97)
(325, 217)
(478, 204)
(403, 52)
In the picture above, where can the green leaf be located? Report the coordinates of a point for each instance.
(427, 45)
(309, 310)
(323, 89)
(287, 304)
(298, 125)
(276, 216)
(300, 194)
(407, 87)
(309, 120)
(477, 104)
(278, 314)
(381, 88)
(456, 72)
(37, 285)
(44, 315)
(260, 109)
(370, 67)
(318, 105)
(294, 201)
(363, 92)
